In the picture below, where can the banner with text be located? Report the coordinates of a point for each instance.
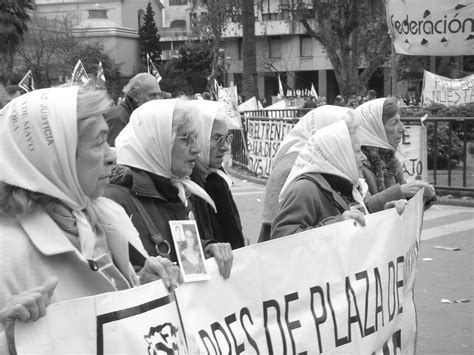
(431, 27)
(342, 288)
(413, 153)
(263, 139)
(438, 89)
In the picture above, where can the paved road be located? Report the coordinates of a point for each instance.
(444, 328)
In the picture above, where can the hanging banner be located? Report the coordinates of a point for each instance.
(438, 89)
(337, 289)
(263, 139)
(412, 152)
(341, 288)
(229, 97)
(431, 27)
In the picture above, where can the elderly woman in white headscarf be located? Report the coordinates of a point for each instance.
(286, 155)
(156, 153)
(215, 139)
(60, 239)
(323, 182)
(380, 134)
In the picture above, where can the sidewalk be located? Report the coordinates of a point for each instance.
(243, 174)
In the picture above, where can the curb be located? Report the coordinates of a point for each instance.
(242, 174)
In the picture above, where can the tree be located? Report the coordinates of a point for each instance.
(195, 62)
(149, 38)
(249, 84)
(354, 35)
(13, 23)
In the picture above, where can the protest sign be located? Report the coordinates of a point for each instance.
(250, 105)
(341, 288)
(431, 27)
(263, 140)
(134, 321)
(412, 152)
(229, 97)
(438, 89)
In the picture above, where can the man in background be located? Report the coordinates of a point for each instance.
(141, 88)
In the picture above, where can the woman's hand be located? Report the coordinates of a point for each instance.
(411, 188)
(222, 252)
(158, 268)
(398, 204)
(355, 215)
(27, 306)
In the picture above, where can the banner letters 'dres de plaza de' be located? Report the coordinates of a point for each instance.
(341, 288)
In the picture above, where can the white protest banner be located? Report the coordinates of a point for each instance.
(412, 152)
(141, 320)
(431, 27)
(229, 97)
(263, 139)
(438, 89)
(250, 105)
(341, 288)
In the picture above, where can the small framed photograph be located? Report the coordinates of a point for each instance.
(189, 250)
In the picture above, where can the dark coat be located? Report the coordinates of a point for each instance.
(226, 226)
(158, 197)
(118, 117)
(309, 203)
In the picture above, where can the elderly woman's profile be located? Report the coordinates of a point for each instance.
(59, 239)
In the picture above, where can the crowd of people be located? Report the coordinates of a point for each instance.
(79, 218)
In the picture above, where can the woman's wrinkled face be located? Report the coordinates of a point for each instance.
(184, 153)
(94, 157)
(219, 144)
(359, 156)
(394, 129)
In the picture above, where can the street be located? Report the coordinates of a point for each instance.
(442, 275)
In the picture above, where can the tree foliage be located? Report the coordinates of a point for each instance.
(149, 39)
(249, 84)
(354, 35)
(14, 17)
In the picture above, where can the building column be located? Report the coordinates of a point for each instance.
(322, 83)
(290, 79)
(260, 86)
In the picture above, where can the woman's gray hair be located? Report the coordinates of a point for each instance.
(183, 120)
(16, 201)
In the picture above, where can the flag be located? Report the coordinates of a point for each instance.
(100, 80)
(313, 92)
(79, 74)
(27, 83)
(280, 87)
(152, 69)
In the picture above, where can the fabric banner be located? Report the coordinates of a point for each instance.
(412, 153)
(438, 89)
(229, 97)
(431, 27)
(341, 288)
(263, 139)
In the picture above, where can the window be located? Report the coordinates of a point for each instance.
(178, 24)
(178, 2)
(239, 48)
(275, 47)
(141, 13)
(306, 46)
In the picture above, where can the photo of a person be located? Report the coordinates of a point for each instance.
(189, 250)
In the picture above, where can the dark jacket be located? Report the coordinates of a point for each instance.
(158, 197)
(309, 203)
(226, 226)
(118, 117)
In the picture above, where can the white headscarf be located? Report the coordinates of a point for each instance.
(205, 112)
(315, 119)
(146, 143)
(372, 131)
(329, 151)
(38, 144)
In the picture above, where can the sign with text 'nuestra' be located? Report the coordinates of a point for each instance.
(337, 289)
(342, 288)
(431, 27)
(438, 89)
(412, 153)
(263, 140)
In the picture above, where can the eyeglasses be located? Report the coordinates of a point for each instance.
(224, 139)
(189, 138)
